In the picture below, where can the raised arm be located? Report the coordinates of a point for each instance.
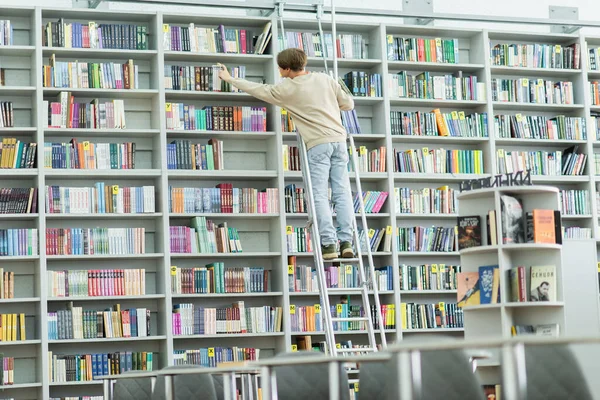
(273, 94)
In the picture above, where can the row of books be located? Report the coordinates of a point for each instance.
(436, 123)
(7, 371)
(86, 367)
(76, 74)
(90, 241)
(204, 236)
(540, 127)
(291, 158)
(553, 163)
(86, 155)
(96, 282)
(353, 46)
(368, 160)
(6, 32)
(429, 277)
(7, 284)
(416, 49)
(431, 316)
(214, 40)
(438, 161)
(99, 199)
(13, 327)
(298, 239)
(216, 118)
(440, 200)
(535, 55)
(224, 199)
(303, 278)
(200, 78)
(183, 154)
(594, 88)
(576, 232)
(363, 84)
(7, 114)
(95, 36)
(17, 154)
(377, 239)
(373, 201)
(310, 318)
(66, 113)
(538, 91)
(295, 199)
(593, 58)
(574, 202)
(77, 323)
(212, 357)
(19, 242)
(189, 319)
(18, 200)
(426, 239)
(440, 87)
(215, 278)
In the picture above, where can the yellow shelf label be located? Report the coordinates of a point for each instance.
(211, 351)
(292, 309)
(173, 270)
(290, 270)
(388, 230)
(165, 28)
(168, 107)
(289, 230)
(356, 387)
(349, 269)
(115, 189)
(461, 115)
(434, 268)
(338, 346)
(541, 82)
(557, 48)
(525, 82)
(454, 115)
(294, 347)
(317, 308)
(339, 308)
(519, 117)
(86, 146)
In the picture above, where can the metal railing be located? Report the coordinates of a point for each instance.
(514, 385)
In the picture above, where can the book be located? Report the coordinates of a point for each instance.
(489, 284)
(90, 241)
(542, 284)
(431, 315)
(92, 35)
(469, 231)
(425, 160)
(469, 290)
(96, 282)
(540, 226)
(209, 356)
(518, 286)
(513, 220)
(429, 277)
(436, 123)
(86, 367)
(539, 127)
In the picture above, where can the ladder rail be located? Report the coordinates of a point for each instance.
(365, 227)
(317, 254)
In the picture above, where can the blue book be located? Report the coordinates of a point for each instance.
(486, 283)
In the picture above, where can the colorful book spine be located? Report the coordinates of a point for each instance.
(426, 239)
(440, 200)
(414, 49)
(436, 123)
(352, 46)
(18, 200)
(548, 163)
(200, 78)
(540, 127)
(223, 199)
(6, 32)
(536, 55)
(216, 118)
(17, 154)
(12, 328)
(92, 35)
(96, 282)
(439, 87)
(203, 237)
(86, 155)
(100, 199)
(298, 239)
(431, 316)
(215, 278)
(574, 202)
(213, 357)
(76, 74)
(536, 91)
(303, 278)
(95, 241)
(373, 201)
(18, 242)
(368, 160)
(66, 113)
(438, 161)
(435, 277)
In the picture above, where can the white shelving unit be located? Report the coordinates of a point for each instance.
(252, 159)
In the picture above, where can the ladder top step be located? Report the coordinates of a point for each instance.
(356, 350)
(350, 319)
(342, 260)
(344, 290)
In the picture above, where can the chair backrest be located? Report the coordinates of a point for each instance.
(445, 374)
(553, 373)
(132, 388)
(307, 381)
(194, 386)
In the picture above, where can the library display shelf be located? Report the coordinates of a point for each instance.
(253, 159)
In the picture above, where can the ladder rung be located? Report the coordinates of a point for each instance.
(356, 350)
(350, 319)
(342, 260)
(344, 290)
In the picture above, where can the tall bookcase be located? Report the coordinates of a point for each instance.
(252, 159)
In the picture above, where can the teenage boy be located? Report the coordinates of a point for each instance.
(314, 100)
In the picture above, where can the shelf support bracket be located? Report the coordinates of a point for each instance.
(418, 6)
(564, 13)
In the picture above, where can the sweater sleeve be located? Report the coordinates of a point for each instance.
(273, 94)
(345, 101)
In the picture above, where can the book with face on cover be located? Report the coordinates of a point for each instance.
(542, 283)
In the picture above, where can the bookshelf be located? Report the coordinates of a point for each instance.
(255, 160)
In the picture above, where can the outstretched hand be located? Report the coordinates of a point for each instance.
(224, 73)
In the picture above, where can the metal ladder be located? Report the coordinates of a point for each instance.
(324, 291)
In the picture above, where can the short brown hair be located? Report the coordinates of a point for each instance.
(294, 59)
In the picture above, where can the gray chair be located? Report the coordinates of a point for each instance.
(194, 386)
(308, 381)
(132, 388)
(445, 375)
(553, 373)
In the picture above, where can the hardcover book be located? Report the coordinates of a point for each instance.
(469, 232)
(542, 284)
(468, 292)
(513, 226)
(489, 284)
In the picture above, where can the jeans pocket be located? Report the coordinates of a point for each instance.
(319, 153)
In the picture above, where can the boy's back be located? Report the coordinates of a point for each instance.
(314, 101)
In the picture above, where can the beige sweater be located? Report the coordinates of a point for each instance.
(314, 101)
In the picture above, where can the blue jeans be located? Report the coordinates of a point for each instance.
(329, 161)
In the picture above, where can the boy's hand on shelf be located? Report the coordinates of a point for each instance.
(223, 73)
